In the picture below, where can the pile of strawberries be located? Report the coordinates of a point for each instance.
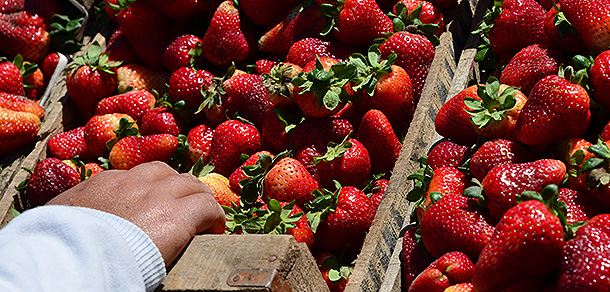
(517, 195)
(291, 111)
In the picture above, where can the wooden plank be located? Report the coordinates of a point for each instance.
(210, 260)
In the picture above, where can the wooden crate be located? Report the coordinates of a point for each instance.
(270, 262)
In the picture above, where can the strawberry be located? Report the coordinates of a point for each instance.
(48, 65)
(231, 139)
(20, 119)
(455, 223)
(303, 21)
(428, 14)
(147, 30)
(66, 145)
(384, 86)
(306, 155)
(590, 177)
(278, 80)
(112, 9)
(34, 83)
(453, 121)
(494, 109)
(91, 78)
(266, 12)
(247, 94)
(24, 33)
(341, 219)
(292, 220)
(218, 183)
(378, 189)
(102, 131)
(575, 151)
(376, 134)
(199, 141)
(274, 132)
(526, 243)
(239, 173)
(162, 119)
(504, 182)
(562, 34)
(119, 48)
(599, 76)
(414, 53)
(443, 181)
(134, 150)
(140, 77)
(50, 177)
(496, 152)
(263, 66)
(356, 22)
(227, 39)
(43, 8)
(585, 257)
(448, 153)
(529, 65)
(415, 258)
(323, 87)
(579, 206)
(182, 52)
(321, 131)
(449, 269)
(334, 272)
(591, 19)
(11, 80)
(186, 84)
(347, 162)
(134, 103)
(556, 109)
(308, 49)
(288, 180)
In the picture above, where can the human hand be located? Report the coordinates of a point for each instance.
(170, 207)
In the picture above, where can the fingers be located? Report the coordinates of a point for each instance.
(152, 171)
(204, 212)
(181, 185)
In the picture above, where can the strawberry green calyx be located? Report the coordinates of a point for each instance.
(252, 187)
(485, 55)
(324, 203)
(334, 150)
(25, 68)
(64, 30)
(243, 218)
(212, 94)
(579, 72)
(564, 26)
(121, 4)
(275, 219)
(83, 172)
(126, 129)
(180, 156)
(370, 68)
(279, 80)
(598, 167)
(493, 105)
(476, 193)
(421, 181)
(200, 170)
(331, 11)
(405, 21)
(329, 86)
(278, 218)
(96, 60)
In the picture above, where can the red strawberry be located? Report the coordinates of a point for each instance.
(133, 103)
(591, 19)
(266, 12)
(199, 141)
(556, 109)
(103, 129)
(292, 220)
(134, 150)
(20, 119)
(66, 145)
(504, 182)
(119, 48)
(140, 77)
(289, 180)
(302, 22)
(415, 258)
(526, 243)
(415, 53)
(379, 187)
(453, 121)
(231, 139)
(428, 13)
(517, 24)
(575, 153)
(306, 155)
(359, 22)
(444, 181)
(51, 177)
(579, 206)
(321, 94)
(455, 223)
(186, 84)
(227, 39)
(263, 66)
(562, 34)
(160, 120)
(348, 163)
(308, 49)
(384, 86)
(341, 219)
(182, 52)
(112, 9)
(34, 83)
(239, 173)
(278, 81)
(599, 75)
(247, 94)
(320, 131)
(48, 65)
(589, 176)
(448, 153)
(11, 80)
(496, 152)
(91, 78)
(335, 273)
(25, 34)
(147, 30)
(273, 133)
(529, 65)
(585, 257)
(376, 134)
(449, 269)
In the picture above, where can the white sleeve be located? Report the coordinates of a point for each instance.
(61, 248)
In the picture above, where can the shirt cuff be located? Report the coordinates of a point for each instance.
(147, 255)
